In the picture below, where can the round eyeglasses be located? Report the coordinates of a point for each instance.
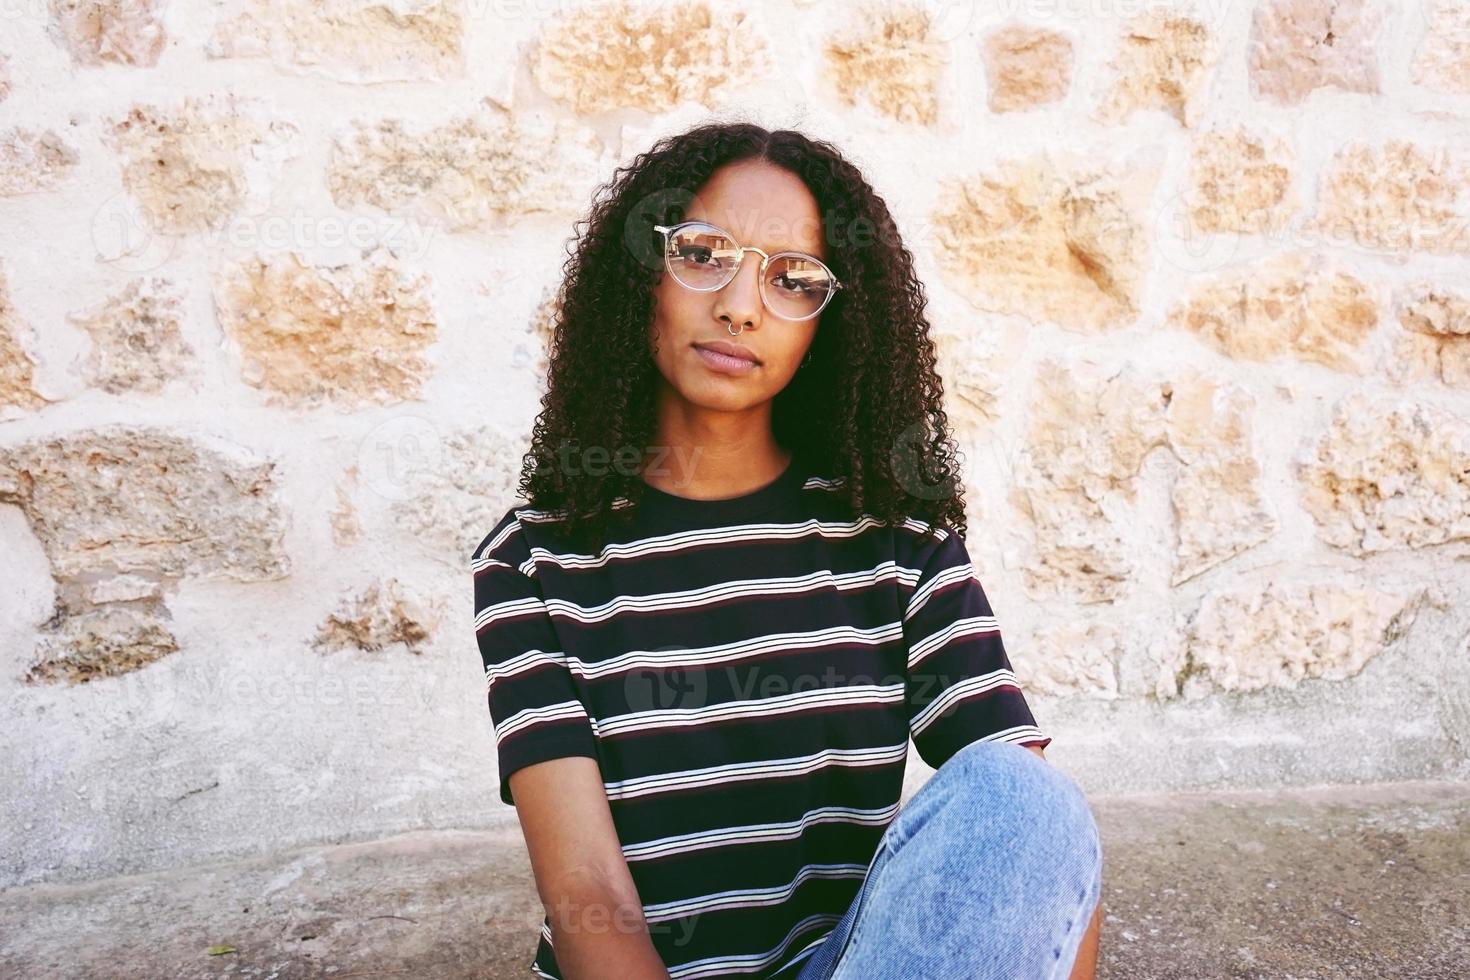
(705, 257)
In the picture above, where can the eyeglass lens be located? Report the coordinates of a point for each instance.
(794, 286)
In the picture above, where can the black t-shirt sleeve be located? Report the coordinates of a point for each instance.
(534, 704)
(959, 686)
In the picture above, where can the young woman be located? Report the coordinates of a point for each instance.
(737, 590)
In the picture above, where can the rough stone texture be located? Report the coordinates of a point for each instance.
(31, 162)
(1298, 46)
(1351, 883)
(1442, 60)
(155, 502)
(477, 170)
(1027, 67)
(359, 41)
(1219, 511)
(1298, 305)
(452, 492)
(890, 61)
(1435, 343)
(648, 56)
(1162, 62)
(1071, 659)
(974, 382)
(976, 356)
(17, 368)
(1088, 437)
(1395, 197)
(383, 614)
(192, 167)
(82, 644)
(98, 32)
(353, 334)
(1388, 474)
(137, 345)
(1031, 238)
(1240, 182)
(120, 588)
(1280, 635)
(1077, 481)
(1440, 313)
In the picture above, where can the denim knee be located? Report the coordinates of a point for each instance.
(1010, 782)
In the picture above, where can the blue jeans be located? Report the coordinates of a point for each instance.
(991, 870)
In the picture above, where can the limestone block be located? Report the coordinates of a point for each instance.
(382, 614)
(120, 588)
(891, 60)
(1442, 60)
(478, 170)
(31, 162)
(1163, 62)
(123, 499)
(1279, 636)
(17, 368)
(4, 76)
(1240, 182)
(1074, 659)
(123, 32)
(976, 355)
(81, 645)
(1438, 313)
(1298, 46)
(973, 378)
(1388, 474)
(1090, 431)
(1293, 305)
(192, 167)
(352, 334)
(1058, 242)
(653, 57)
(1395, 197)
(1027, 67)
(137, 344)
(1087, 439)
(1219, 509)
(359, 41)
(1435, 344)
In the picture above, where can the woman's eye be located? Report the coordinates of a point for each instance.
(789, 284)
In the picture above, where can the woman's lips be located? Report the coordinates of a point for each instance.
(724, 363)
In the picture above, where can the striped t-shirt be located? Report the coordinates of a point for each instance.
(747, 673)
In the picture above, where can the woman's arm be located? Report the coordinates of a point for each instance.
(597, 925)
(1086, 964)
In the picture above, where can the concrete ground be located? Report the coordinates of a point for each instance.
(1347, 882)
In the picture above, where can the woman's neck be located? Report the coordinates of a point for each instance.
(703, 472)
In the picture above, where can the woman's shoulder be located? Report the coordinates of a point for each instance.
(506, 532)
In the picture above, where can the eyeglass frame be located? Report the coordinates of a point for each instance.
(766, 258)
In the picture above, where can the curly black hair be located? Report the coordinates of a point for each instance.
(868, 408)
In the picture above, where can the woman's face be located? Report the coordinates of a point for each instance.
(758, 204)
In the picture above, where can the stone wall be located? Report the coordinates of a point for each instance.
(275, 278)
